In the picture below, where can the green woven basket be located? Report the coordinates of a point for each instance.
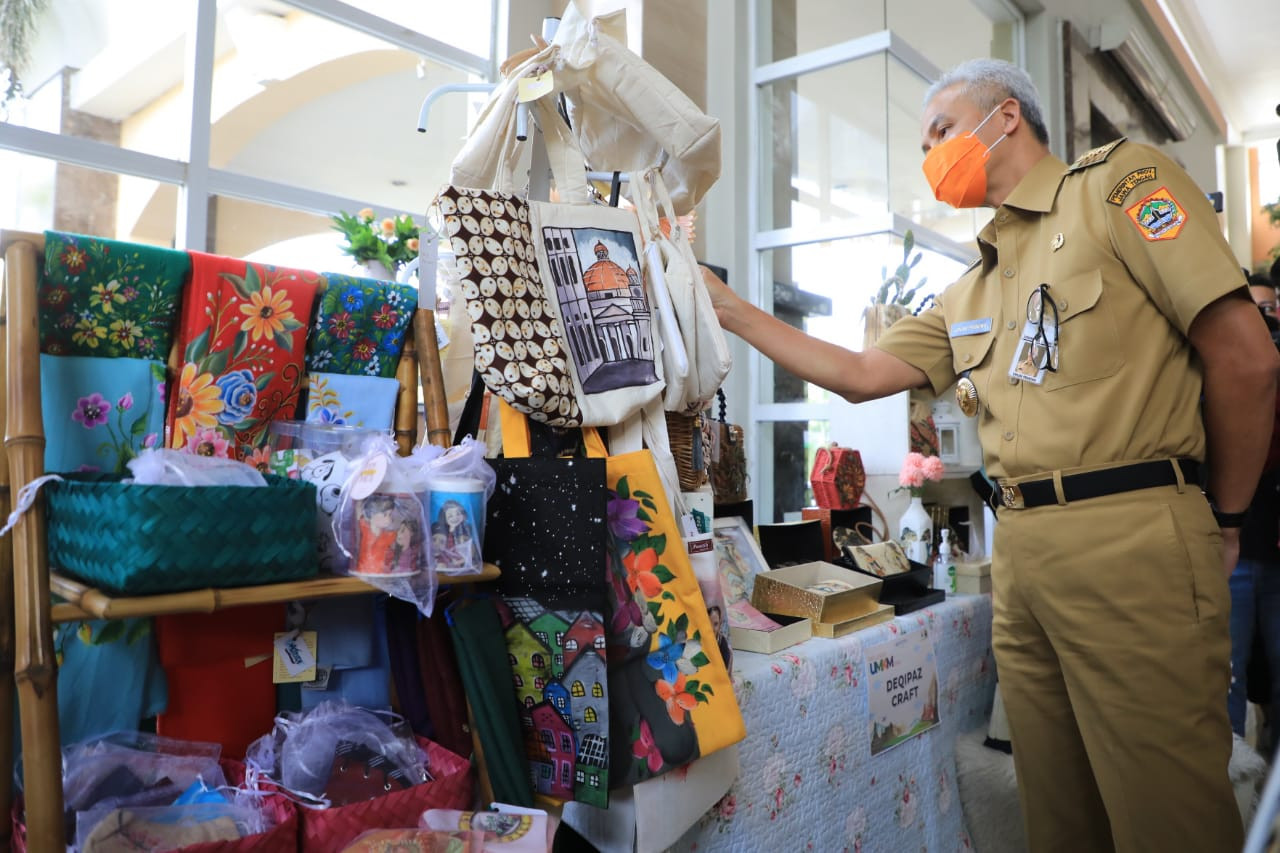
(130, 539)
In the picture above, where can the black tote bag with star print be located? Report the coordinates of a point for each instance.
(545, 529)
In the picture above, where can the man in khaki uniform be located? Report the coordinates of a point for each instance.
(1104, 304)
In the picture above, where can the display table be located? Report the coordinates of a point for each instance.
(808, 779)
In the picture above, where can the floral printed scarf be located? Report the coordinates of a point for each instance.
(243, 332)
(98, 413)
(108, 298)
(360, 326)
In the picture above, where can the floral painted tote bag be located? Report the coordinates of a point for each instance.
(360, 326)
(107, 298)
(99, 413)
(671, 697)
(243, 337)
(360, 401)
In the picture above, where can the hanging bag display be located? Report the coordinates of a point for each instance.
(560, 319)
(695, 354)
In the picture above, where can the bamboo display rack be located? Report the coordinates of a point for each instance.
(27, 585)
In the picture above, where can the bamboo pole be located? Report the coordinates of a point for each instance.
(435, 399)
(35, 670)
(85, 602)
(407, 399)
(6, 628)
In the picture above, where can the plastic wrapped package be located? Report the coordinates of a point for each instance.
(160, 828)
(312, 753)
(459, 485)
(163, 467)
(136, 769)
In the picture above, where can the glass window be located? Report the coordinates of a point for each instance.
(304, 101)
(439, 19)
(823, 289)
(969, 31)
(275, 235)
(41, 194)
(790, 28)
(823, 149)
(113, 73)
(787, 449)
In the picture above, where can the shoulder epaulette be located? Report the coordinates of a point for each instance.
(1094, 157)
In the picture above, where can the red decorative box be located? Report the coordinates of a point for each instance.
(838, 477)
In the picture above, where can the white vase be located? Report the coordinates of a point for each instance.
(915, 531)
(377, 270)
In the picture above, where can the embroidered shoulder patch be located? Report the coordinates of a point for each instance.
(1158, 216)
(1094, 157)
(1138, 176)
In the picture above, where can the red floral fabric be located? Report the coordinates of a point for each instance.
(243, 336)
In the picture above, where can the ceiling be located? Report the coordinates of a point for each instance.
(1234, 42)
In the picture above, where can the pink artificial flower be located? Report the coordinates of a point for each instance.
(917, 468)
(208, 442)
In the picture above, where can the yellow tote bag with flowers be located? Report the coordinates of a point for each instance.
(670, 695)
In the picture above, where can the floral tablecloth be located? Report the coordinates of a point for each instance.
(808, 779)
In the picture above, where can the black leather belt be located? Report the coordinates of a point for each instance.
(1095, 484)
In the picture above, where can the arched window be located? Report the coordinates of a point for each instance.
(590, 715)
(597, 690)
(577, 689)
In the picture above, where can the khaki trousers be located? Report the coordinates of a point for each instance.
(1111, 643)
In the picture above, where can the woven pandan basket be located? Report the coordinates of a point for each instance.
(131, 539)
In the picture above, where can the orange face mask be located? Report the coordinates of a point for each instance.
(956, 169)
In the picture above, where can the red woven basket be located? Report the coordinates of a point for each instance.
(330, 830)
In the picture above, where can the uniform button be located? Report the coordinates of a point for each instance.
(1008, 436)
(1062, 305)
(1002, 217)
(967, 358)
(1010, 325)
(1008, 272)
(1013, 380)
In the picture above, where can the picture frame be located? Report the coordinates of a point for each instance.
(738, 558)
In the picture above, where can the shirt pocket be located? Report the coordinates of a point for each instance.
(1088, 339)
(972, 353)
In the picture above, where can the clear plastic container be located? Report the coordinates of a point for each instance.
(309, 441)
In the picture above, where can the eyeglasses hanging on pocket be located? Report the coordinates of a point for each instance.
(1037, 352)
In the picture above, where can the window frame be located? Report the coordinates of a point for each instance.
(196, 181)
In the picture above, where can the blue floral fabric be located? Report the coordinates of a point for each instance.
(360, 326)
(362, 401)
(99, 413)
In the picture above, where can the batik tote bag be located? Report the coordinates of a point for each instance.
(560, 315)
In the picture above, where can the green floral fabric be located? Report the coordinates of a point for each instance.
(360, 326)
(107, 298)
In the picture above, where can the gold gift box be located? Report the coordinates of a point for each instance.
(973, 578)
(819, 591)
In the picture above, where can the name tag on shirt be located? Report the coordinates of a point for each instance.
(971, 327)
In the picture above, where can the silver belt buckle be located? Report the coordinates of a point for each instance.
(1011, 497)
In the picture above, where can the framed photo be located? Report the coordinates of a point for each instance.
(738, 558)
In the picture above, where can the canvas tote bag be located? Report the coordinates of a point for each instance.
(695, 354)
(561, 321)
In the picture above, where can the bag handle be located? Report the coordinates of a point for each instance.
(516, 443)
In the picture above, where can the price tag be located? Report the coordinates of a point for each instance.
(532, 88)
(369, 477)
(295, 657)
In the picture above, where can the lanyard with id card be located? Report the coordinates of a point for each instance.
(1037, 351)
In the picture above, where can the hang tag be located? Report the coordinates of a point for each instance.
(532, 88)
(370, 476)
(442, 337)
(715, 444)
(295, 657)
(321, 681)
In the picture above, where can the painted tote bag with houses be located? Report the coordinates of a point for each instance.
(545, 529)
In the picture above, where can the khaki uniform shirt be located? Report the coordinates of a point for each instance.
(1131, 251)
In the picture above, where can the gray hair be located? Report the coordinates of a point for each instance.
(990, 81)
